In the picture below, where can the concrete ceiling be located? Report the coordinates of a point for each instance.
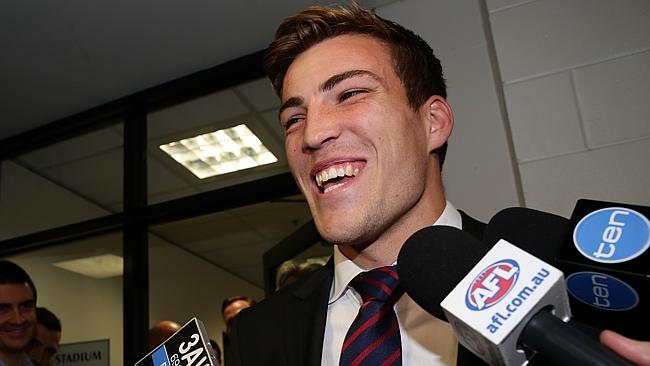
(61, 58)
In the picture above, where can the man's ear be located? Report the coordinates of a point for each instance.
(440, 121)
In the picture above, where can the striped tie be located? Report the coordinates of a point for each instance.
(374, 338)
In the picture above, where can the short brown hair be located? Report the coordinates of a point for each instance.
(414, 61)
(48, 319)
(230, 300)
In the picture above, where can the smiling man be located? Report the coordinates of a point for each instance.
(364, 110)
(17, 314)
(366, 121)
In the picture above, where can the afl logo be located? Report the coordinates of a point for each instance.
(492, 285)
(612, 235)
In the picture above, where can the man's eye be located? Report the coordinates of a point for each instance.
(28, 305)
(291, 121)
(350, 93)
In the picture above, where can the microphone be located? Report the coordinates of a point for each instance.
(606, 260)
(189, 346)
(536, 232)
(506, 304)
(432, 262)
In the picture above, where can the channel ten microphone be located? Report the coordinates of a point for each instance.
(606, 261)
(505, 306)
(189, 346)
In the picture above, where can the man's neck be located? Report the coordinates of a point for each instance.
(11, 358)
(384, 250)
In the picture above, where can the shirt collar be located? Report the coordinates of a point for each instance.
(345, 269)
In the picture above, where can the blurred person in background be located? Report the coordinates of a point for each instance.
(45, 344)
(161, 331)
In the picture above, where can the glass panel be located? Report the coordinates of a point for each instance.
(64, 183)
(196, 263)
(88, 303)
(218, 140)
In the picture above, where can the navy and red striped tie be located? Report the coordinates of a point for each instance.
(374, 338)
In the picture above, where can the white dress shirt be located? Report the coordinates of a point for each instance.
(426, 340)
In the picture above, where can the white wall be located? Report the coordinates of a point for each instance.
(576, 77)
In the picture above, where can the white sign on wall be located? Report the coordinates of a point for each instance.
(91, 353)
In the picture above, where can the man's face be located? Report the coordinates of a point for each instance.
(232, 310)
(44, 346)
(357, 149)
(17, 317)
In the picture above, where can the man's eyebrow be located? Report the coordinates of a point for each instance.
(330, 83)
(291, 102)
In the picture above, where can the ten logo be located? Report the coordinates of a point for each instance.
(492, 285)
(612, 235)
(602, 291)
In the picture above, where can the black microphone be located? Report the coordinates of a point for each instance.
(432, 262)
(500, 307)
(538, 233)
(605, 258)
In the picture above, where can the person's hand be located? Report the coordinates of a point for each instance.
(637, 352)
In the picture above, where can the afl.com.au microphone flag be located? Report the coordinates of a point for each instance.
(491, 306)
(606, 262)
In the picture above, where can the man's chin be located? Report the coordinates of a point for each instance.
(14, 345)
(345, 235)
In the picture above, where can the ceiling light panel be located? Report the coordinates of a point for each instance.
(220, 152)
(100, 266)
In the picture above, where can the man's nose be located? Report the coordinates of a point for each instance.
(17, 316)
(321, 126)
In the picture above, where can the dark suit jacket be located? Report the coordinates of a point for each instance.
(287, 328)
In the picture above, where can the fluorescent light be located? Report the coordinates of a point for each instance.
(220, 152)
(100, 266)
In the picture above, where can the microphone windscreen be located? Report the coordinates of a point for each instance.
(433, 261)
(538, 233)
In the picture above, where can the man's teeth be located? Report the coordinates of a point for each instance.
(326, 174)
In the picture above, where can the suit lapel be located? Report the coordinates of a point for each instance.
(472, 226)
(309, 314)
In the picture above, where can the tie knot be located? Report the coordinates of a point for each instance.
(380, 284)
